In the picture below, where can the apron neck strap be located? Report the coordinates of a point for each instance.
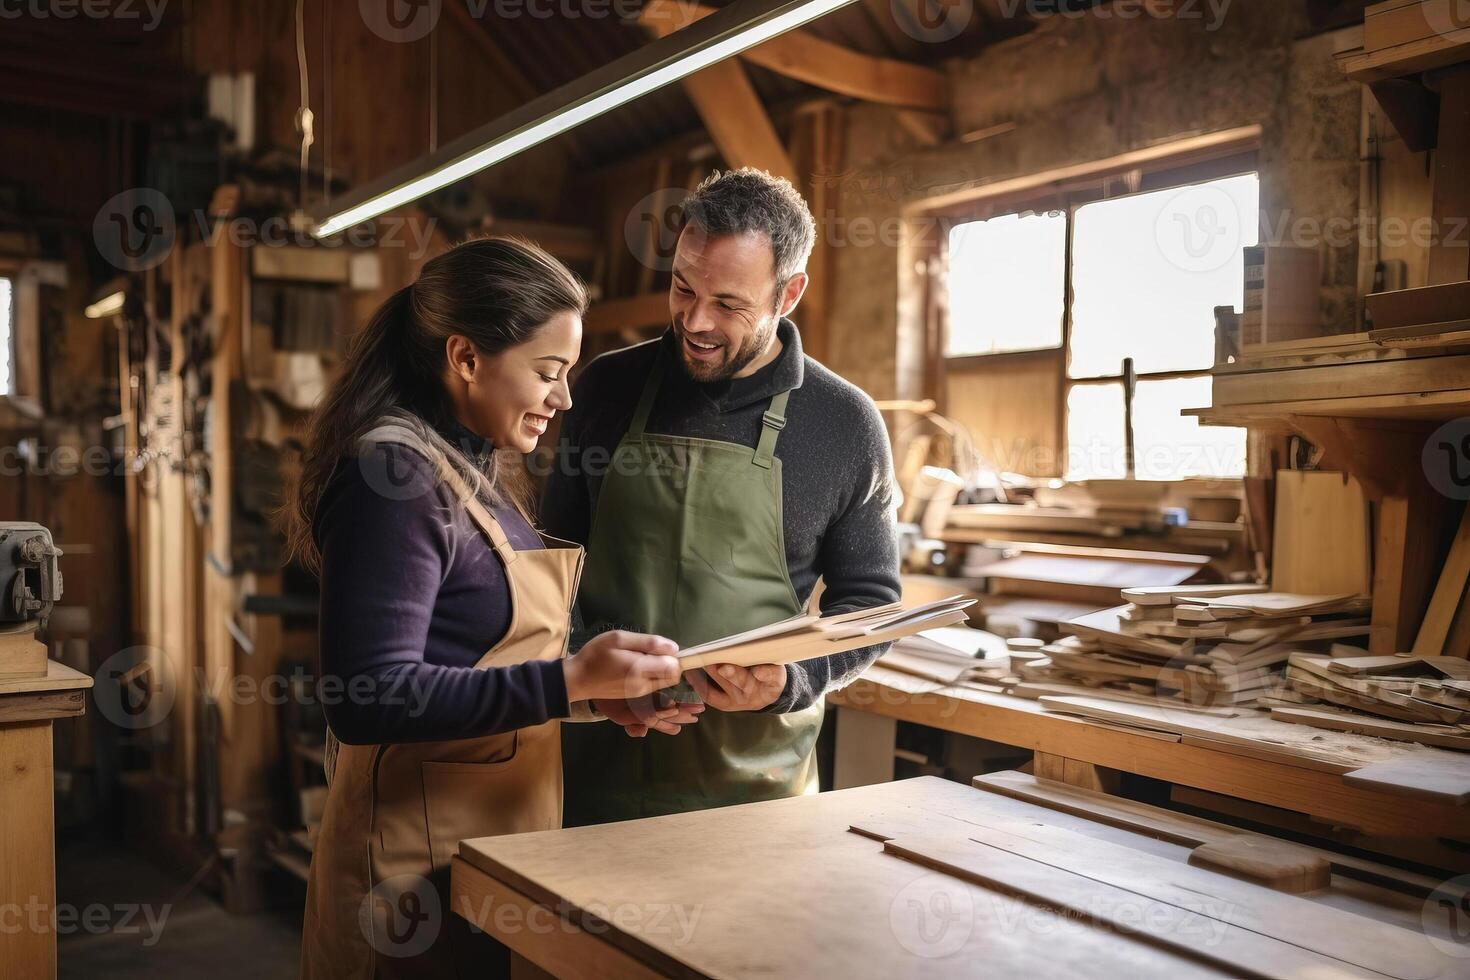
(772, 422)
(645, 401)
(481, 517)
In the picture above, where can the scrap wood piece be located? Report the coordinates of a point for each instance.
(1443, 736)
(1089, 570)
(1250, 735)
(1289, 603)
(1421, 777)
(1321, 534)
(1177, 828)
(1320, 689)
(1036, 690)
(1165, 595)
(1106, 625)
(1379, 692)
(1277, 864)
(1177, 928)
(1402, 665)
(981, 847)
(1439, 618)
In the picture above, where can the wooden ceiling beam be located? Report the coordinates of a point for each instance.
(810, 59)
(737, 120)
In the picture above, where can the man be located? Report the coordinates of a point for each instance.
(714, 475)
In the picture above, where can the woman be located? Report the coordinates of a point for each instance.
(443, 612)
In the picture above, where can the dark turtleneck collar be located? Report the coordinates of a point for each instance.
(458, 435)
(783, 374)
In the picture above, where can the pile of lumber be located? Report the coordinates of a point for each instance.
(1206, 646)
(1404, 697)
(951, 655)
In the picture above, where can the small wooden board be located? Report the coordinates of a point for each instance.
(1417, 777)
(1276, 864)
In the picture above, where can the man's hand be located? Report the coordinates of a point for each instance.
(727, 687)
(638, 716)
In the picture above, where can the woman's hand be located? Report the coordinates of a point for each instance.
(618, 664)
(639, 717)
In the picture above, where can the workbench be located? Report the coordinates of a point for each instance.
(28, 706)
(1264, 768)
(930, 878)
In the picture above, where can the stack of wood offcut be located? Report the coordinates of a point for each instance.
(1195, 645)
(1422, 695)
(1404, 697)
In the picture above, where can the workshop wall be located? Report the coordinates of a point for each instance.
(371, 104)
(1106, 94)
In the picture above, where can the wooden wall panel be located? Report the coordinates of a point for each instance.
(1012, 406)
(379, 90)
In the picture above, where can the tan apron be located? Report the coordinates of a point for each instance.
(377, 900)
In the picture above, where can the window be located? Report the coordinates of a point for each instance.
(1005, 284)
(1100, 280)
(7, 335)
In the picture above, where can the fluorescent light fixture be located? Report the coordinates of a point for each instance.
(707, 41)
(109, 305)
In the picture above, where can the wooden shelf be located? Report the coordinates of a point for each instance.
(1429, 406)
(1425, 54)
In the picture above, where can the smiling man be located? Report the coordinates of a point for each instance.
(715, 474)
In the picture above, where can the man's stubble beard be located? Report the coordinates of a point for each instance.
(752, 348)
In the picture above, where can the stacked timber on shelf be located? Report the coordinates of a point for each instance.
(1215, 646)
(1372, 402)
(1407, 698)
(1075, 580)
(1184, 516)
(1349, 374)
(950, 655)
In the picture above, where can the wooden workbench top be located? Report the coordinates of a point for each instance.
(1251, 757)
(789, 888)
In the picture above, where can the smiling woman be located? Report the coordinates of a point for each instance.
(442, 608)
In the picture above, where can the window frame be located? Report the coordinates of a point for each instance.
(1106, 182)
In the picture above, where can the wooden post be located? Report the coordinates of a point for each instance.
(1410, 541)
(1075, 773)
(1449, 257)
(864, 750)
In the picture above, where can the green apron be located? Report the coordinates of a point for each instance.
(687, 543)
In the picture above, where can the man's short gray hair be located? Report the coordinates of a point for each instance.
(744, 200)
